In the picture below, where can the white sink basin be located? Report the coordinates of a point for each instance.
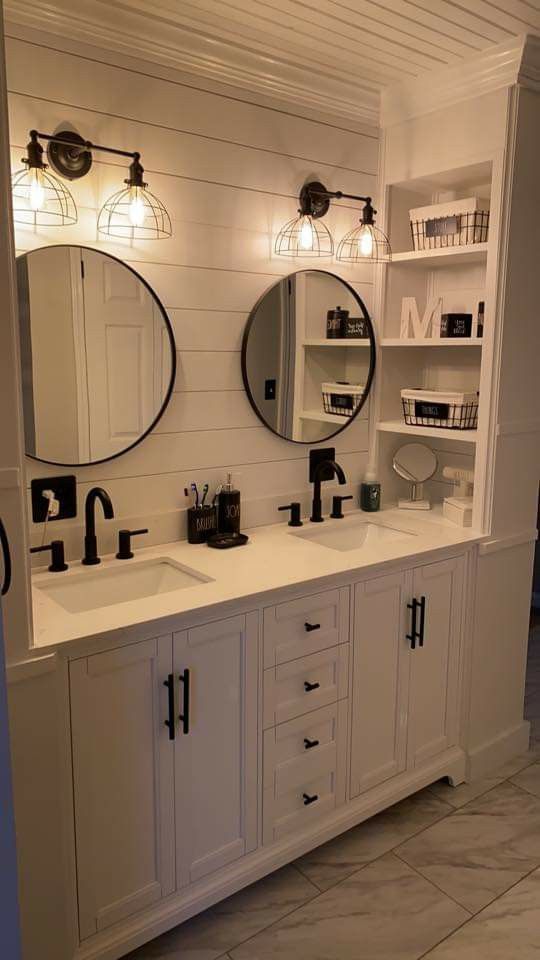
(351, 534)
(108, 585)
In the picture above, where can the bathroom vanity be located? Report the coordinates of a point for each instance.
(224, 723)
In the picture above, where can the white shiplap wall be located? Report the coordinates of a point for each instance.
(229, 173)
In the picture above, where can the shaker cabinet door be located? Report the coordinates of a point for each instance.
(433, 713)
(380, 682)
(216, 669)
(123, 782)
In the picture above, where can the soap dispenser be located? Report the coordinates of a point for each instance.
(229, 508)
(370, 491)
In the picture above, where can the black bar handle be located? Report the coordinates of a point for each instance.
(312, 626)
(184, 716)
(309, 744)
(413, 634)
(309, 799)
(170, 722)
(7, 560)
(308, 687)
(422, 621)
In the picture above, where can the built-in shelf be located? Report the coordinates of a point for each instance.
(343, 342)
(432, 342)
(323, 417)
(445, 256)
(397, 426)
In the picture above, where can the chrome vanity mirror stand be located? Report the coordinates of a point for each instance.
(416, 463)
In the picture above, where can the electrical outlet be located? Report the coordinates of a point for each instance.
(65, 491)
(315, 457)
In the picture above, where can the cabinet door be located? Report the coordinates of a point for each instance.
(123, 782)
(380, 682)
(216, 745)
(433, 713)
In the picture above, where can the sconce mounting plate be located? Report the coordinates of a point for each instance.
(66, 160)
(312, 200)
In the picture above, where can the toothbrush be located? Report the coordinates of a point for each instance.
(204, 492)
(216, 495)
(195, 493)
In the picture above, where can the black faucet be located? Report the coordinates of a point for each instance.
(316, 509)
(90, 540)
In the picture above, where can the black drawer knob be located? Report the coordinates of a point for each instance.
(312, 626)
(309, 744)
(309, 799)
(308, 687)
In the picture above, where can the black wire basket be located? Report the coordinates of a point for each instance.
(459, 230)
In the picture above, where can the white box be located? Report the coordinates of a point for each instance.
(458, 510)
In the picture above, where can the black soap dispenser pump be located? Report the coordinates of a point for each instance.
(229, 508)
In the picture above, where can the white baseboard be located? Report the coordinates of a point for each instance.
(484, 759)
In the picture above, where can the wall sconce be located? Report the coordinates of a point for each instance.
(132, 213)
(305, 237)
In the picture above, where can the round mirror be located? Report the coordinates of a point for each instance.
(416, 463)
(308, 356)
(97, 351)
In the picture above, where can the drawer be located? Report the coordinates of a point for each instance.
(295, 688)
(305, 786)
(300, 627)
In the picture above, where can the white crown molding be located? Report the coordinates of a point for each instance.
(514, 61)
(201, 55)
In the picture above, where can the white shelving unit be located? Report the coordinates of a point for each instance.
(321, 417)
(336, 343)
(440, 433)
(445, 256)
(433, 342)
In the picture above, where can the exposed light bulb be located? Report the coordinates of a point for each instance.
(365, 241)
(306, 234)
(136, 208)
(36, 198)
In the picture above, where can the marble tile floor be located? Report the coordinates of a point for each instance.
(447, 874)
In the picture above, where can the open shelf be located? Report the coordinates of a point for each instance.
(338, 342)
(322, 417)
(445, 256)
(397, 426)
(432, 342)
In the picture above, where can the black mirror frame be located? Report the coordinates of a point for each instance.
(168, 326)
(372, 356)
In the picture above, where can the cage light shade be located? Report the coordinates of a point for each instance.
(134, 214)
(365, 243)
(304, 237)
(41, 200)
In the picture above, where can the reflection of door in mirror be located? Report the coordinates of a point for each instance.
(271, 356)
(96, 354)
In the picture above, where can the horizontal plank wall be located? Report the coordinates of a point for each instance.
(229, 173)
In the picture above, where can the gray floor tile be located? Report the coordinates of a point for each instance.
(529, 779)
(482, 849)
(465, 792)
(337, 859)
(509, 929)
(211, 934)
(385, 911)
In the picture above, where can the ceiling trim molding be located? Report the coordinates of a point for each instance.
(514, 61)
(195, 55)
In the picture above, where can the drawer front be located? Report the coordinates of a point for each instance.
(305, 784)
(300, 627)
(294, 689)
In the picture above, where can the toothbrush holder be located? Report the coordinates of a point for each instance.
(201, 523)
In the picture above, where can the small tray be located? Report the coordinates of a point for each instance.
(223, 541)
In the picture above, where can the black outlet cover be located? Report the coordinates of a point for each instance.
(269, 389)
(315, 457)
(65, 490)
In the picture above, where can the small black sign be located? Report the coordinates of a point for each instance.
(442, 226)
(356, 328)
(343, 401)
(435, 411)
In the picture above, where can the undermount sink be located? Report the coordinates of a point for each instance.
(110, 585)
(351, 534)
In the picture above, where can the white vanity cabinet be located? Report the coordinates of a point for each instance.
(405, 689)
(159, 806)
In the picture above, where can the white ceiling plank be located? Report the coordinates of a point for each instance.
(465, 16)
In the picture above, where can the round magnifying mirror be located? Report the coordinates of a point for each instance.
(97, 351)
(308, 356)
(416, 463)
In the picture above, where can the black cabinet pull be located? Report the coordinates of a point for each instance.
(308, 687)
(422, 621)
(312, 626)
(170, 722)
(308, 799)
(309, 744)
(413, 634)
(184, 716)
(7, 560)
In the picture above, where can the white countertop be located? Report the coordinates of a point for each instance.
(273, 559)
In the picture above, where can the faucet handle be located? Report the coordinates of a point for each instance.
(295, 509)
(124, 543)
(58, 564)
(337, 500)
